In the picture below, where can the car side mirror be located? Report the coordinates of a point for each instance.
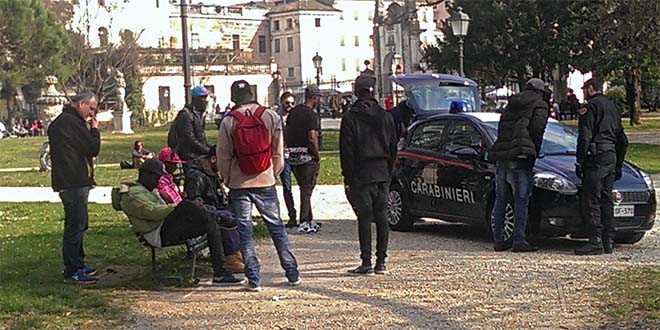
(467, 152)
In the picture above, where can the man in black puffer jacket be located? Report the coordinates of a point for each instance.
(518, 144)
(367, 148)
(187, 136)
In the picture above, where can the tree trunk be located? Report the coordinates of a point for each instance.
(633, 93)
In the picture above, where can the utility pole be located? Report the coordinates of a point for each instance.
(378, 61)
(186, 50)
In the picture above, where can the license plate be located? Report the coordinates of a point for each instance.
(624, 210)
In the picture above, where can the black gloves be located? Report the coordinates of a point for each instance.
(578, 170)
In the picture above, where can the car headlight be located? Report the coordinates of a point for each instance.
(554, 182)
(647, 180)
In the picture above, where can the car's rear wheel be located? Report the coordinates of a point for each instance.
(398, 214)
(628, 238)
(508, 220)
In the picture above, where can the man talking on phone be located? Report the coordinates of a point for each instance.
(74, 140)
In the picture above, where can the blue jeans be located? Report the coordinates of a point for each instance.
(512, 179)
(285, 178)
(76, 221)
(265, 199)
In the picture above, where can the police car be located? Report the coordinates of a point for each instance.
(443, 172)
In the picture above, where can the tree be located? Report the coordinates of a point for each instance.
(619, 35)
(32, 41)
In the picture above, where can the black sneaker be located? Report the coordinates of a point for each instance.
(608, 247)
(291, 224)
(589, 249)
(501, 245)
(381, 269)
(362, 270)
(523, 247)
(227, 280)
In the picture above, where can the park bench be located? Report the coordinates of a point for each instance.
(194, 248)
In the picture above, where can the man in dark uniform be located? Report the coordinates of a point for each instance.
(367, 149)
(601, 149)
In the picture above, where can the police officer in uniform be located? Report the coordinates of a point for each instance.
(601, 149)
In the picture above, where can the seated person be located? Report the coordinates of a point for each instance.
(164, 224)
(204, 187)
(167, 187)
(140, 154)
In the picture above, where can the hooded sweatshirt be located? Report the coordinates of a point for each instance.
(367, 143)
(521, 128)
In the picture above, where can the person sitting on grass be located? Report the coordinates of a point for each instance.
(163, 224)
(140, 154)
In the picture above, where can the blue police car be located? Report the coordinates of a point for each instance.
(443, 172)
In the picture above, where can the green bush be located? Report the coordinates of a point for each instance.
(618, 95)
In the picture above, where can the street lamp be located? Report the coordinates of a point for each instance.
(318, 60)
(459, 22)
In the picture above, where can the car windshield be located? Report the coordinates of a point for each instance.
(558, 138)
(435, 97)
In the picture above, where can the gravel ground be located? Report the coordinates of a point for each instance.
(442, 277)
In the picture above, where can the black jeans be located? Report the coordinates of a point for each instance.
(596, 196)
(306, 175)
(76, 221)
(285, 178)
(370, 204)
(189, 221)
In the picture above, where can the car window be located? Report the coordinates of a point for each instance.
(462, 135)
(428, 135)
(435, 98)
(557, 138)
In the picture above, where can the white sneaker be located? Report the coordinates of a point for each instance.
(303, 228)
(314, 226)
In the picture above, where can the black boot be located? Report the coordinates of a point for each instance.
(608, 246)
(523, 247)
(501, 245)
(589, 249)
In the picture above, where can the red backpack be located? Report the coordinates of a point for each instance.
(251, 142)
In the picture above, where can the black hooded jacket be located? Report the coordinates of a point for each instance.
(367, 143)
(521, 128)
(72, 146)
(187, 136)
(202, 181)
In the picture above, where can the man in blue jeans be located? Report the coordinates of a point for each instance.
(256, 188)
(519, 137)
(74, 140)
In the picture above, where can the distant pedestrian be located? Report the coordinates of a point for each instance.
(249, 171)
(518, 143)
(573, 103)
(287, 102)
(367, 149)
(601, 150)
(301, 139)
(74, 140)
(139, 154)
(187, 136)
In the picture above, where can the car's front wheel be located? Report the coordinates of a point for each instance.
(508, 220)
(628, 238)
(398, 214)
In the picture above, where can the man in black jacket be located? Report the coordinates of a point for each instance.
(601, 149)
(204, 187)
(519, 137)
(74, 140)
(187, 136)
(367, 149)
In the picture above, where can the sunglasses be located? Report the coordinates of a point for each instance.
(289, 103)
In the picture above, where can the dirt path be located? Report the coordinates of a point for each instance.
(442, 277)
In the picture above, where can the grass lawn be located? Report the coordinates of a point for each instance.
(648, 124)
(634, 294)
(33, 294)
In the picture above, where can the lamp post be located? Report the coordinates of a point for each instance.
(459, 22)
(318, 60)
(186, 51)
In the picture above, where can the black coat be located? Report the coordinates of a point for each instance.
(202, 181)
(367, 143)
(72, 147)
(188, 138)
(600, 131)
(521, 128)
